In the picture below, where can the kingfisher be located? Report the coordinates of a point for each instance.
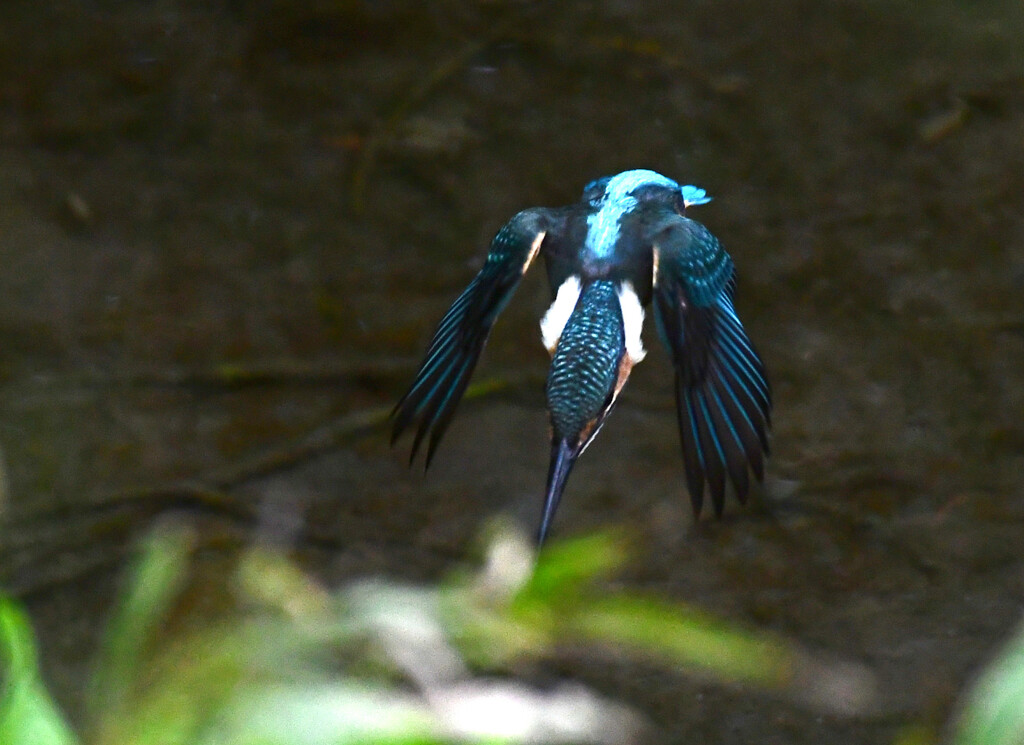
(625, 245)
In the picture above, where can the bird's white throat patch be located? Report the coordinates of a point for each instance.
(553, 322)
(632, 321)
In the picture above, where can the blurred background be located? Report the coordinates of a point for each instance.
(228, 229)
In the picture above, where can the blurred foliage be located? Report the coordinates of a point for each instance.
(27, 714)
(993, 711)
(295, 663)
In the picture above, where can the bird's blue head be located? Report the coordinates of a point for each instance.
(621, 187)
(613, 197)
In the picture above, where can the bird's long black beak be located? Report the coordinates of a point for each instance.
(563, 457)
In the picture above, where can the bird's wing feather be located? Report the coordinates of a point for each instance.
(723, 399)
(456, 345)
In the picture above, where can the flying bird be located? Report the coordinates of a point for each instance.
(626, 244)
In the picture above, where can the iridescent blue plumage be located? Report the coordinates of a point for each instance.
(625, 243)
(723, 400)
(585, 364)
(462, 333)
(582, 380)
(604, 225)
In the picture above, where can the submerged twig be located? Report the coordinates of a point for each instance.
(227, 375)
(30, 541)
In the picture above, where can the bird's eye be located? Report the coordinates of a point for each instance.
(651, 193)
(593, 191)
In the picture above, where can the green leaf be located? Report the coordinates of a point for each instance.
(156, 580)
(682, 636)
(187, 684)
(994, 711)
(564, 568)
(28, 716)
(673, 633)
(325, 713)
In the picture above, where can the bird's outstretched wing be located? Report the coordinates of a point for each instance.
(723, 399)
(445, 371)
